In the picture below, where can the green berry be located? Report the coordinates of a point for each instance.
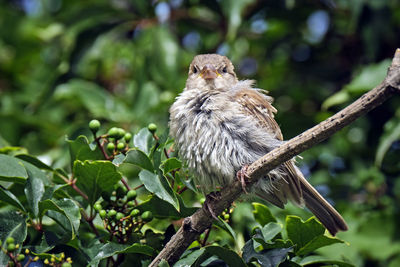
(66, 264)
(128, 137)
(11, 247)
(119, 216)
(121, 133)
(21, 257)
(103, 213)
(202, 200)
(97, 206)
(131, 204)
(113, 132)
(94, 125)
(110, 147)
(120, 146)
(111, 213)
(10, 240)
(131, 195)
(152, 127)
(147, 216)
(226, 216)
(135, 212)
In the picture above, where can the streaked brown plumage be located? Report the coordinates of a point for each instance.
(221, 124)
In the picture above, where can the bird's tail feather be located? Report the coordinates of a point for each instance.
(325, 213)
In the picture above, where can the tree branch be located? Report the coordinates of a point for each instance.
(194, 225)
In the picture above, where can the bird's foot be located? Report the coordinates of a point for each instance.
(241, 175)
(213, 196)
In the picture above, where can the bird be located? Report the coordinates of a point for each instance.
(221, 124)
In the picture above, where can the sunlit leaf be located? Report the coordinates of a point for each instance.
(139, 158)
(102, 251)
(143, 140)
(12, 169)
(262, 214)
(159, 185)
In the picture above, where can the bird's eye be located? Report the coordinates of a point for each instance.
(224, 70)
(194, 69)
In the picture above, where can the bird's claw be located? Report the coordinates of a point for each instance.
(241, 175)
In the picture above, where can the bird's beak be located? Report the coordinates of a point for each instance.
(209, 72)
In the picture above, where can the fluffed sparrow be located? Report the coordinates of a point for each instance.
(221, 124)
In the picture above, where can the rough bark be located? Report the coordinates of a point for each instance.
(194, 225)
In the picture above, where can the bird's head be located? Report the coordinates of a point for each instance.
(211, 71)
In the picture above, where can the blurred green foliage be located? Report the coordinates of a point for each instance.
(63, 63)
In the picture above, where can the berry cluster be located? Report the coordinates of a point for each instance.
(120, 215)
(115, 141)
(26, 259)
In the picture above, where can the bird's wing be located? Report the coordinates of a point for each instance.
(257, 106)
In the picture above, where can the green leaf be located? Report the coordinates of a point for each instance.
(267, 233)
(159, 186)
(65, 206)
(318, 242)
(81, 150)
(12, 169)
(233, 10)
(9, 198)
(148, 97)
(102, 251)
(34, 161)
(34, 188)
(11, 224)
(188, 259)
(163, 263)
(266, 257)
(391, 134)
(262, 214)
(143, 140)
(320, 260)
(162, 209)
(336, 99)
(95, 177)
(369, 77)
(61, 232)
(118, 159)
(301, 232)
(230, 257)
(94, 98)
(139, 158)
(170, 164)
(226, 227)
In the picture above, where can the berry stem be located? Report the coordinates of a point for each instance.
(125, 183)
(72, 183)
(101, 146)
(183, 189)
(207, 234)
